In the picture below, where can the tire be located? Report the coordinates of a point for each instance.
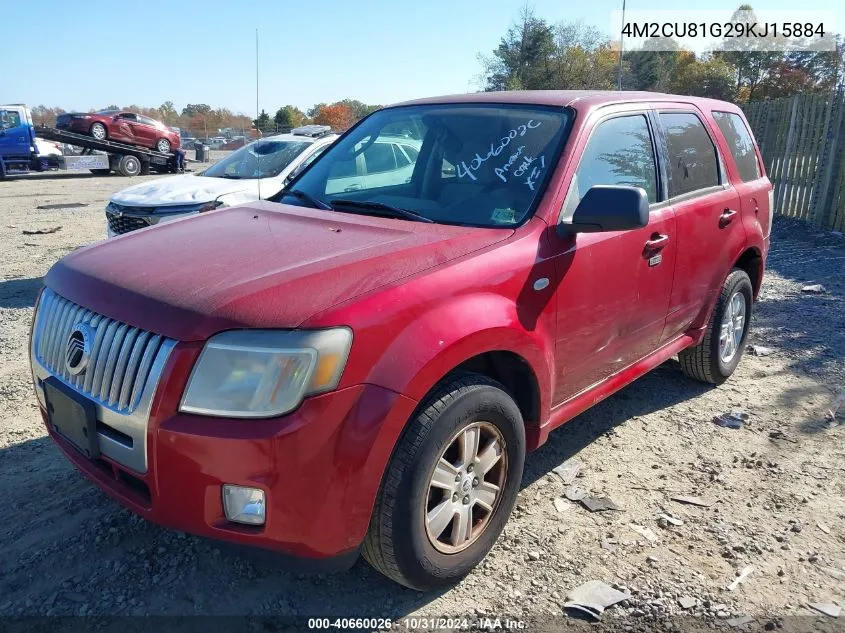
(400, 543)
(99, 131)
(163, 146)
(707, 361)
(129, 165)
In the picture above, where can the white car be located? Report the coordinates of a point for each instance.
(256, 171)
(387, 161)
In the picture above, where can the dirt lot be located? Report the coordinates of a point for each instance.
(777, 485)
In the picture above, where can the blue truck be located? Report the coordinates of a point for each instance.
(19, 151)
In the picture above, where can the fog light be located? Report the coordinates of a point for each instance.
(243, 504)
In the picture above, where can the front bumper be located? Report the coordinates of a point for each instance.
(320, 468)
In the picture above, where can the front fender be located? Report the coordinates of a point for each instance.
(440, 339)
(427, 348)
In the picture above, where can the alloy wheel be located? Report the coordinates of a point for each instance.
(98, 131)
(732, 328)
(465, 487)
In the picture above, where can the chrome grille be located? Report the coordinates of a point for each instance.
(122, 357)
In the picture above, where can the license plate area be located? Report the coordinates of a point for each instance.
(73, 416)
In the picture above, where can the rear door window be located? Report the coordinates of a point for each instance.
(740, 143)
(691, 155)
(379, 158)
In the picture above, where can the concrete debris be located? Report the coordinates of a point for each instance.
(647, 533)
(815, 289)
(837, 404)
(561, 505)
(759, 350)
(694, 501)
(63, 205)
(668, 518)
(746, 571)
(52, 229)
(687, 602)
(575, 493)
(568, 470)
(828, 608)
(823, 527)
(593, 597)
(599, 504)
(731, 420)
(740, 621)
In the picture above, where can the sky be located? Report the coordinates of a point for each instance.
(193, 51)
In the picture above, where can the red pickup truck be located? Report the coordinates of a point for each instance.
(362, 364)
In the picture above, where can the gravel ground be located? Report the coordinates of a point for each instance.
(777, 485)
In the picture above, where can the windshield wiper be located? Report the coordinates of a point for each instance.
(230, 176)
(397, 212)
(308, 198)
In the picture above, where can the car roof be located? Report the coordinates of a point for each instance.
(579, 99)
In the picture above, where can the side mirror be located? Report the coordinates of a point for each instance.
(295, 172)
(606, 208)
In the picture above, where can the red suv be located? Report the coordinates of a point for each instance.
(362, 364)
(126, 127)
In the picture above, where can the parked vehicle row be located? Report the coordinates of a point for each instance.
(360, 363)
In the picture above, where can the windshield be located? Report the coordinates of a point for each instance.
(262, 159)
(467, 164)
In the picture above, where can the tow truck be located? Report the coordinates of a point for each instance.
(19, 153)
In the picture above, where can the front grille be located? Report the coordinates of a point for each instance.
(121, 224)
(121, 359)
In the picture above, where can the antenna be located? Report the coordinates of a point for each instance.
(257, 115)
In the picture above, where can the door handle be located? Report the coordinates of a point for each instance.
(656, 243)
(727, 217)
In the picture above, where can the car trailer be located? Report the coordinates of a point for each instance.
(125, 159)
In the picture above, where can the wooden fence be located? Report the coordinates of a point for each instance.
(802, 139)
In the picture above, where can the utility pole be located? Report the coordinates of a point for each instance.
(619, 73)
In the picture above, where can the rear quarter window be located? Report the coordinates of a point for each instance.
(740, 143)
(692, 159)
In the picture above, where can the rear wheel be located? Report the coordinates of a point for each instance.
(715, 358)
(99, 132)
(450, 486)
(129, 165)
(163, 146)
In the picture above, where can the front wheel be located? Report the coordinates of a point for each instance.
(450, 486)
(163, 146)
(715, 358)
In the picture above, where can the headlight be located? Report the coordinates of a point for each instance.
(265, 373)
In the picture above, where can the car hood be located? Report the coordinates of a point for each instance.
(186, 189)
(265, 265)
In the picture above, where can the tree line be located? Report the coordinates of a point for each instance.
(204, 121)
(537, 55)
